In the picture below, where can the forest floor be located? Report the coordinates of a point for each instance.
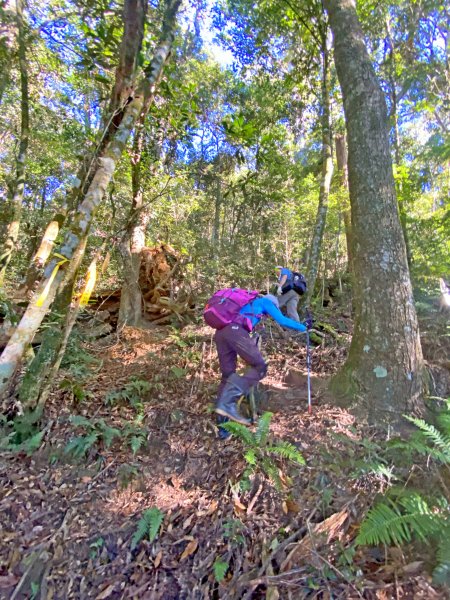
(67, 519)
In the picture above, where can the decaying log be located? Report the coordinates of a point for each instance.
(164, 291)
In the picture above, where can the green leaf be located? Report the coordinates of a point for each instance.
(220, 568)
(250, 456)
(178, 372)
(149, 524)
(289, 451)
(263, 428)
(136, 442)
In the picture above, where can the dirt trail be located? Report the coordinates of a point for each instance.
(66, 525)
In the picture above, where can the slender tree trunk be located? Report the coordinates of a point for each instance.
(325, 182)
(79, 229)
(39, 370)
(134, 13)
(12, 231)
(131, 301)
(40, 257)
(38, 380)
(215, 237)
(383, 372)
(341, 160)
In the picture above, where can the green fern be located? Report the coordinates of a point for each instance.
(440, 448)
(250, 456)
(240, 431)
(220, 568)
(98, 431)
(259, 454)
(149, 524)
(79, 446)
(398, 520)
(263, 428)
(288, 451)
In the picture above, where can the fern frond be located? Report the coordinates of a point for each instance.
(250, 456)
(271, 470)
(80, 421)
(33, 443)
(395, 521)
(443, 421)
(441, 442)
(240, 431)
(136, 442)
(149, 523)
(263, 428)
(154, 518)
(79, 446)
(140, 533)
(289, 451)
(108, 435)
(441, 573)
(220, 568)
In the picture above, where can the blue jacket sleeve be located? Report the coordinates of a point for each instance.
(270, 309)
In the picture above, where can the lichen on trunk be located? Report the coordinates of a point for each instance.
(383, 375)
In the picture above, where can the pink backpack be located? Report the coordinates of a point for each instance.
(223, 308)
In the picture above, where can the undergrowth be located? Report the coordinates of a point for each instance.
(405, 513)
(263, 455)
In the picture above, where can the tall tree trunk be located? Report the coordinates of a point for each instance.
(341, 160)
(12, 231)
(383, 373)
(397, 153)
(131, 301)
(325, 181)
(78, 230)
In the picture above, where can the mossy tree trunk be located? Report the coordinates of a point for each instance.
(383, 375)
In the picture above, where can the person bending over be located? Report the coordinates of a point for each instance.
(233, 341)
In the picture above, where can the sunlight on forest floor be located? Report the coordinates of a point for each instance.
(83, 513)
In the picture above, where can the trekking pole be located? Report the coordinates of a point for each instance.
(308, 322)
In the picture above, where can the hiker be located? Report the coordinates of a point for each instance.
(287, 296)
(234, 340)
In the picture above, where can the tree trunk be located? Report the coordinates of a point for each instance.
(397, 154)
(131, 301)
(341, 160)
(383, 372)
(134, 13)
(38, 380)
(42, 254)
(215, 237)
(38, 371)
(327, 172)
(12, 231)
(79, 229)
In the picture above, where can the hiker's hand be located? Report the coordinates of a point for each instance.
(308, 323)
(279, 290)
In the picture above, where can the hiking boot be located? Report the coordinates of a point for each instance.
(223, 433)
(227, 403)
